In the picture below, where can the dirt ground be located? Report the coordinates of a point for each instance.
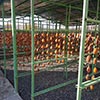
(47, 79)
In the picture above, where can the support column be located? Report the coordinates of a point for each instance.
(49, 25)
(18, 24)
(32, 49)
(81, 56)
(13, 17)
(67, 20)
(38, 24)
(59, 26)
(23, 22)
(56, 26)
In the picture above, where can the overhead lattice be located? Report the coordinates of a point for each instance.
(51, 9)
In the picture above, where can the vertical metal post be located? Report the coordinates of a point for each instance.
(56, 26)
(97, 12)
(4, 46)
(29, 24)
(38, 22)
(40, 26)
(99, 29)
(76, 27)
(10, 24)
(81, 57)
(32, 49)
(7, 26)
(18, 24)
(53, 26)
(59, 26)
(97, 15)
(47, 28)
(25, 26)
(23, 23)
(79, 26)
(14, 44)
(68, 10)
(98, 6)
(49, 25)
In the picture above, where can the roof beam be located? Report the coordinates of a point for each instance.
(66, 5)
(17, 5)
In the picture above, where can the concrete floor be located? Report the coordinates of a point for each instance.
(7, 91)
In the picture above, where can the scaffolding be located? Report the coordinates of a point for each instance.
(32, 31)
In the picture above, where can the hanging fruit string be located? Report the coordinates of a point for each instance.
(95, 50)
(88, 48)
(91, 59)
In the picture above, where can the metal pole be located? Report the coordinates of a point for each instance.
(93, 56)
(81, 57)
(23, 23)
(10, 24)
(25, 26)
(18, 24)
(7, 26)
(47, 28)
(14, 44)
(32, 49)
(29, 24)
(97, 14)
(76, 27)
(97, 17)
(40, 26)
(38, 22)
(59, 26)
(4, 45)
(56, 25)
(99, 29)
(49, 24)
(68, 10)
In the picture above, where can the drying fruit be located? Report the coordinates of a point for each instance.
(88, 69)
(91, 87)
(62, 60)
(95, 51)
(47, 57)
(92, 78)
(43, 65)
(43, 40)
(58, 61)
(90, 48)
(95, 70)
(94, 60)
(87, 77)
(88, 58)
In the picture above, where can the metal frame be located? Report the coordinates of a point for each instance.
(13, 16)
(81, 59)
(33, 93)
(81, 85)
(16, 74)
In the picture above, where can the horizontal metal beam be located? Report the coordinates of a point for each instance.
(24, 74)
(55, 87)
(93, 20)
(90, 82)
